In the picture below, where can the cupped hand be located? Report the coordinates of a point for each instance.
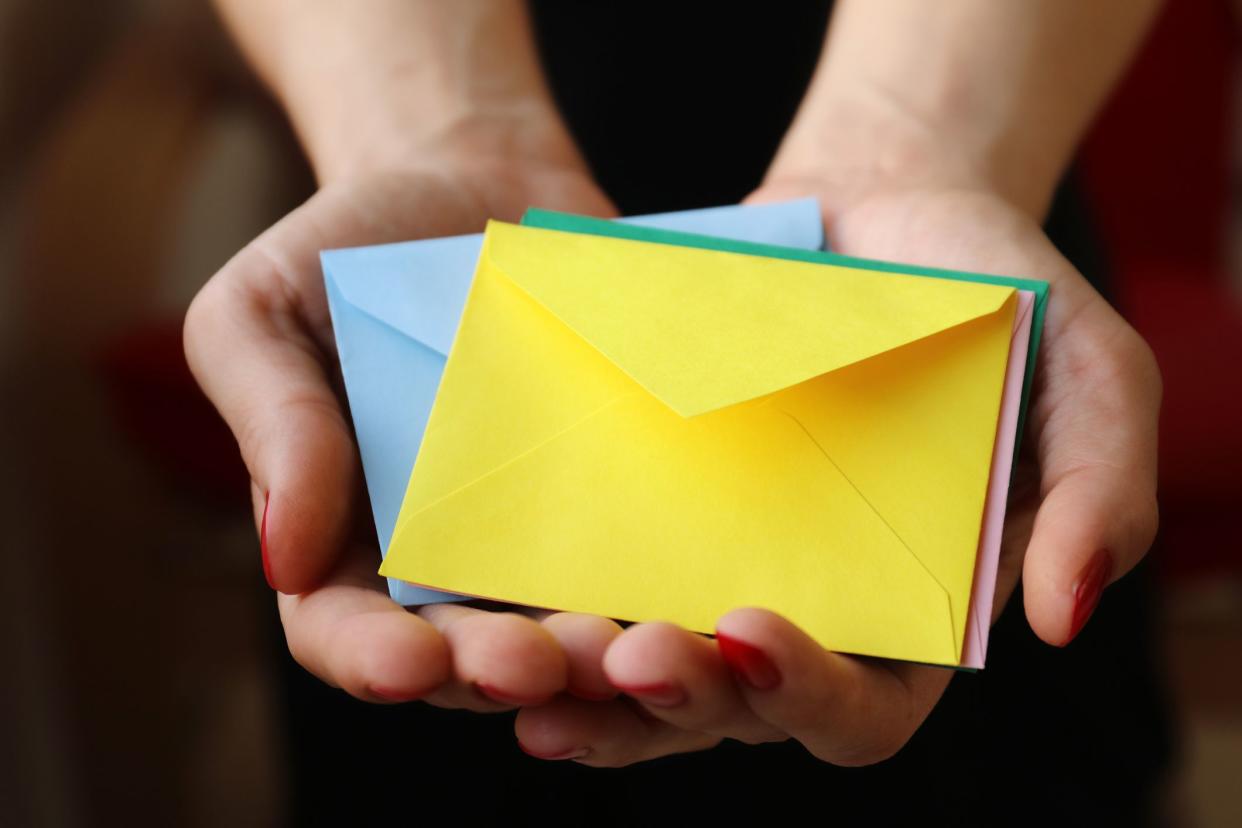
(258, 338)
(1082, 512)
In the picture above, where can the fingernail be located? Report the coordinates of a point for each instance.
(656, 694)
(749, 663)
(495, 694)
(1088, 589)
(395, 696)
(573, 753)
(267, 564)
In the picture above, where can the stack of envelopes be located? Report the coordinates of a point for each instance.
(643, 423)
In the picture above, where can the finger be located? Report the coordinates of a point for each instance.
(246, 344)
(351, 635)
(500, 660)
(680, 678)
(584, 639)
(1097, 421)
(844, 710)
(601, 734)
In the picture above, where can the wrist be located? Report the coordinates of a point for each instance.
(851, 147)
(499, 175)
(448, 135)
(367, 89)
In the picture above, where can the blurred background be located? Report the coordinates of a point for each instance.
(136, 155)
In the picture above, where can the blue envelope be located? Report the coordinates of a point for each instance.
(395, 310)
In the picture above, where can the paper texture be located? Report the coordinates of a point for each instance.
(647, 431)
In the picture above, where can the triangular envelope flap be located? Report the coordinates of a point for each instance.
(703, 329)
(418, 288)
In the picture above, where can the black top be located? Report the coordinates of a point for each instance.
(680, 105)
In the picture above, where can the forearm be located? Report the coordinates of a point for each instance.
(388, 81)
(991, 94)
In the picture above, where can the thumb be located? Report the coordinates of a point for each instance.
(246, 347)
(1092, 528)
(1098, 462)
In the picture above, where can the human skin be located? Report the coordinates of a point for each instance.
(925, 141)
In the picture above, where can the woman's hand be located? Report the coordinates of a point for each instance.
(1082, 513)
(259, 341)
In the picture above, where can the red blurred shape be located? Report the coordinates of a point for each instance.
(161, 407)
(1158, 168)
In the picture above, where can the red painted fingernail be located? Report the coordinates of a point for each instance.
(749, 663)
(395, 696)
(1088, 589)
(267, 564)
(656, 694)
(495, 694)
(573, 753)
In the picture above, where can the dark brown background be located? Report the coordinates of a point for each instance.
(141, 680)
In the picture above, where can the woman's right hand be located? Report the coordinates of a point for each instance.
(259, 340)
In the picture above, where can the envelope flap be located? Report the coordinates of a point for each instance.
(703, 329)
(417, 288)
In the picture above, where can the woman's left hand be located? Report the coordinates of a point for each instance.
(1081, 514)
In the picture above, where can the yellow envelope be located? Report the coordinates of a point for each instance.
(645, 431)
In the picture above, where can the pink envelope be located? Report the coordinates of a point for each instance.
(983, 590)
